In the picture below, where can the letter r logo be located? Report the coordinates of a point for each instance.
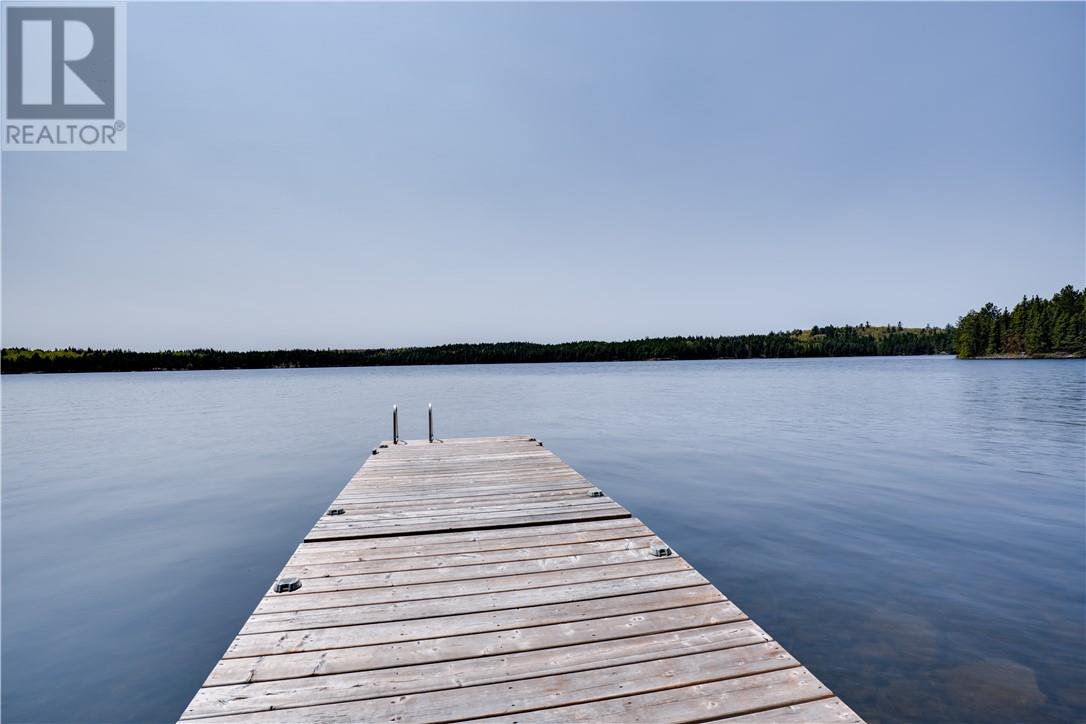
(60, 62)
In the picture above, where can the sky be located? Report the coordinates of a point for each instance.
(364, 175)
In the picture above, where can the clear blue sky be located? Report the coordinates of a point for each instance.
(367, 175)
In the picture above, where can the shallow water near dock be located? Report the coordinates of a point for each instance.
(911, 529)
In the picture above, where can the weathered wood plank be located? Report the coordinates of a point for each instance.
(467, 541)
(355, 515)
(824, 710)
(543, 692)
(492, 643)
(362, 530)
(638, 564)
(700, 702)
(632, 602)
(479, 670)
(464, 496)
(450, 561)
(427, 608)
(622, 553)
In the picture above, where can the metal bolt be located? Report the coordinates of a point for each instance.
(285, 585)
(659, 549)
(336, 511)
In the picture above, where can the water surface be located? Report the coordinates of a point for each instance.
(912, 529)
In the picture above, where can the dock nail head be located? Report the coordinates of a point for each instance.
(336, 511)
(286, 585)
(595, 493)
(659, 549)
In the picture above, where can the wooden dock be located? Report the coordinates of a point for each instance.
(483, 578)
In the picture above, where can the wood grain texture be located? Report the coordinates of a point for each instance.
(478, 579)
(473, 671)
(641, 618)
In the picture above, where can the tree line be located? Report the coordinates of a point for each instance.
(1035, 327)
(826, 341)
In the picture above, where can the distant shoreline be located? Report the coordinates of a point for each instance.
(1047, 356)
(476, 364)
(829, 341)
(1035, 329)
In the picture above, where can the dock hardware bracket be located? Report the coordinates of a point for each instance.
(336, 511)
(659, 549)
(595, 493)
(286, 585)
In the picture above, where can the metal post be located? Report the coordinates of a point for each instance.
(430, 410)
(395, 425)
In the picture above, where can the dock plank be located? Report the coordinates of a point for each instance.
(275, 643)
(490, 539)
(488, 700)
(447, 561)
(477, 578)
(295, 620)
(618, 552)
(721, 700)
(491, 643)
(482, 668)
(349, 596)
(324, 531)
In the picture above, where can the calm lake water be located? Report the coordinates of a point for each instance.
(912, 529)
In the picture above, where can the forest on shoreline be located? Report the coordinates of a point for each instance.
(1034, 328)
(827, 341)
